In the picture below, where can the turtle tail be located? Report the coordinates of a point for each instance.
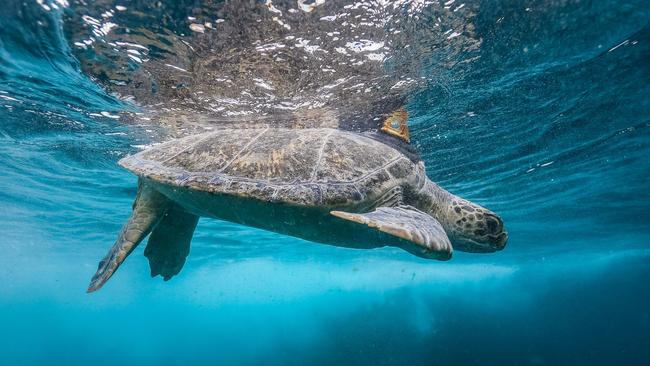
(149, 207)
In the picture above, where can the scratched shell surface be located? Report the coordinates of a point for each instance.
(301, 164)
(286, 155)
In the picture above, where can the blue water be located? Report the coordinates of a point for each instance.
(549, 127)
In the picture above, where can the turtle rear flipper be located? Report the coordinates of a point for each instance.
(148, 208)
(420, 233)
(169, 243)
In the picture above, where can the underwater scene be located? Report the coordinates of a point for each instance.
(479, 169)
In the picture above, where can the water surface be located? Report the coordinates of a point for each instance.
(536, 109)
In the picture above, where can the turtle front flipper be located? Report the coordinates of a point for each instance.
(421, 234)
(148, 208)
(169, 242)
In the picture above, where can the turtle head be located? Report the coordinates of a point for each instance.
(473, 228)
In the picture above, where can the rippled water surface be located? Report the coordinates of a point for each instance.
(538, 110)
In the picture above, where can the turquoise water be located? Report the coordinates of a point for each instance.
(549, 127)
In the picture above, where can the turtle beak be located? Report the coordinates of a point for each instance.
(499, 242)
(497, 235)
(494, 240)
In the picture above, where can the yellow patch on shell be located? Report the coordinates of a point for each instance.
(396, 124)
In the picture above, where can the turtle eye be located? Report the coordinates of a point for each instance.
(396, 125)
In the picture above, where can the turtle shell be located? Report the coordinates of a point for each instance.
(305, 166)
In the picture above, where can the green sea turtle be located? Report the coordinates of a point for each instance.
(326, 185)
